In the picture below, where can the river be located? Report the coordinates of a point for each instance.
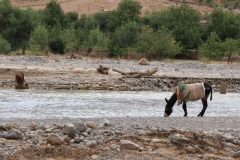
(44, 104)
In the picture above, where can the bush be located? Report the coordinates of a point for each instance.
(57, 46)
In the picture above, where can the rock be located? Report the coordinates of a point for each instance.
(236, 154)
(78, 140)
(13, 134)
(69, 130)
(114, 147)
(3, 153)
(91, 144)
(2, 128)
(67, 140)
(55, 139)
(32, 125)
(190, 149)
(126, 144)
(80, 127)
(143, 61)
(208, 142)
(91, 124)
(40, 127)
(210, 149)
(94, 156)
(106, 122)
(178, 138)
(228, 137)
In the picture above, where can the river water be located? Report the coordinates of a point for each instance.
(44, 104)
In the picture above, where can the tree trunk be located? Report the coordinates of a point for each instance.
(23, 51)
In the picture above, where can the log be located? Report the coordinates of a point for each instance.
(123, 73)
(137, 74)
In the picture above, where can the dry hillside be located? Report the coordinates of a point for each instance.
(92, 6)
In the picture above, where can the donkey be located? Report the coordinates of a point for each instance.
(189, 92)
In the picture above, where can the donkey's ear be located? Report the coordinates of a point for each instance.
(166, 100)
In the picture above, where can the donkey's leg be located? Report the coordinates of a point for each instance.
(184, 106)
(204, 102)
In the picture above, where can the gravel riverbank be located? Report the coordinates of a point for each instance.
(114, 138)
(58, 72)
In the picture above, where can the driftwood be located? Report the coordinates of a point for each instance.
(20, 82)
(103, 70)
(137, 74)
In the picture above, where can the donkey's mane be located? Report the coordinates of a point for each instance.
(172, 100)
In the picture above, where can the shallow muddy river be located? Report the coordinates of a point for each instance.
(43, 104)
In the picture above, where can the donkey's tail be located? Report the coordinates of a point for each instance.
(211, 93)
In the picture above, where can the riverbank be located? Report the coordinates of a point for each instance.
(139, 138)
(58, 72)
(135, 138)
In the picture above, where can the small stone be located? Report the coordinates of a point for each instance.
(91, 124)
(190, 149)
(55, 139)
(128, 144)
(94, 157)
(236, 154)
(91, 144)
(81, 127)
(78, 140)
(13, 134)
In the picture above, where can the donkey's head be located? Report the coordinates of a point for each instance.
(168, 109)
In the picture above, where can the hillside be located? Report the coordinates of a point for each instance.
(93, 6)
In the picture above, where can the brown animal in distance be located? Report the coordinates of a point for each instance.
(20, 82)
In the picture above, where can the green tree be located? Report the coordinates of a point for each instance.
(39, 39)
(56, 43)
(22, 23)
(68, 38)
(101, 19)
(145, 40)
(69, 19)
(95, 38)
(52, 14)
(225, 24)
(164, 45)
(183, 21)
(81, 36)
(126, 36)
(211, 49)
(5, 14)
(5, 47)
(127, 10)
(231, 48)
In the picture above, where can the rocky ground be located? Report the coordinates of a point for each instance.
(127, 138)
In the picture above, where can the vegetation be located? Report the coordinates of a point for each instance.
(160, 34)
